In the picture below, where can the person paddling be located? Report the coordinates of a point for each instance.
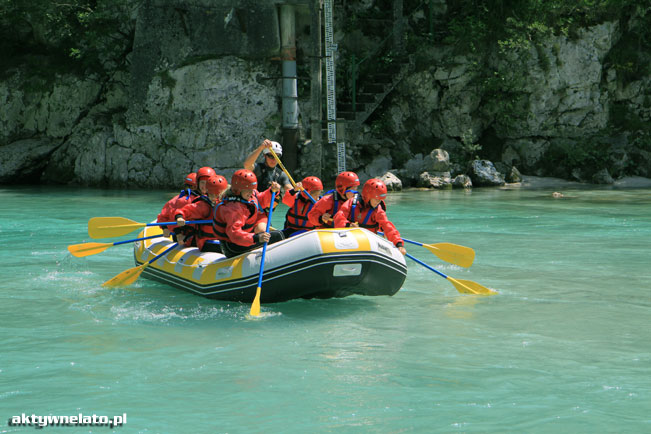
(267, 171)
(368, 212)
(201, 209)
(300, 204)
(326, 207)
(239, 221)
(188, 194)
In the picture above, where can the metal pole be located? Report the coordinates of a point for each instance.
(290, 88)
(315, 88)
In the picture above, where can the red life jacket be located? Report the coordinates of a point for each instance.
(201, 208)
(330, 204)
(366, 217)
(234, 219)
(296, 217)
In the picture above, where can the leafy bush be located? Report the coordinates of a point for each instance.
(78, 33)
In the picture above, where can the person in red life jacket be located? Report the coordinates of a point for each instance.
(188, 194)
(201, 209)
(326, 207)
(203, 175)
(369, 213)
(300, 204)
(239, 221)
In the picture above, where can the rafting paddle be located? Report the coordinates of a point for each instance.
(87, 249)
(288, 175)
(129, 276)
(255, 306)
(108, 227)
(448, 252)
(462, 285)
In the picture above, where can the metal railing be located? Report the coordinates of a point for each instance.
(356, 64)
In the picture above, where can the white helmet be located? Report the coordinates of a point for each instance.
(276, 147)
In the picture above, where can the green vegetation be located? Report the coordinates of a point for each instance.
(78, 35)
(516, 24)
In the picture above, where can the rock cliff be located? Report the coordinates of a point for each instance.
(200, 85)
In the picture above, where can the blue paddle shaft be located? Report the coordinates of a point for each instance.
(117, 243)
(264, 246)
(195, 222)
(164, 253)
(425, 265)
(311, 198)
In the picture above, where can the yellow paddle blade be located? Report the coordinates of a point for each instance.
(127, 277)
(470, 287)
(87, 249)
(107, 227)
(255, 306)
(452, 253)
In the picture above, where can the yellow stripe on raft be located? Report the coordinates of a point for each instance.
(208, 274)
(223, 271)
(332, 242)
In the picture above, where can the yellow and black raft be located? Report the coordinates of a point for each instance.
(322, 263)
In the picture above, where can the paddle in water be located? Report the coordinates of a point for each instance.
(129, 276)
(255, 306)
(108, 227)
(88, 249)
(462, 285)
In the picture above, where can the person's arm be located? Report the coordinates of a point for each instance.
(236, 217)
(389, 229)
(285, 182)
(340, 220)
(194, 211)
(165, 212)
(316, 214)
(289, 198)
(264, 197)
(341, 217)
(249, 163)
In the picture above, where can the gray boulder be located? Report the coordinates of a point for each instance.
(437, 161)
(438, 181)
(462, 181)
(392, 182)
(484, 173)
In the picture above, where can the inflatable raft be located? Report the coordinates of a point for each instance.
(317, 264)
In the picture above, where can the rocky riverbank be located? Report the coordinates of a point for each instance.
(185, 96)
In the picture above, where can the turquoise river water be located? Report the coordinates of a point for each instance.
(564, 347)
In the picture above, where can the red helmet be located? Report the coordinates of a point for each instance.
(190, 180)
(312, 183)
(216, 185)
(244, 179)
(346, 181)
(374, 189)
(205, 172)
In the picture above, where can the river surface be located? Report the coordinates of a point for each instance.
(564, 347)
